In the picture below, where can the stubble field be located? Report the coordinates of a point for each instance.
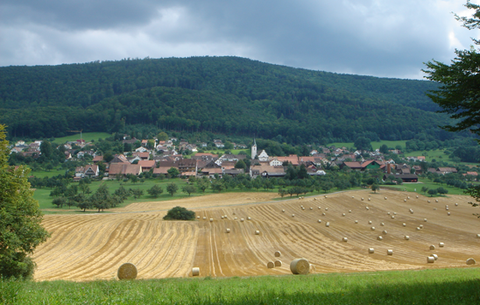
(93, 246)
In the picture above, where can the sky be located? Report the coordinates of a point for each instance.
(384, 38)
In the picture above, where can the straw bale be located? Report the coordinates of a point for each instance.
(371, 250)
(430, 259)
(471, 261)
(228, 230)
(327, 224)
(278, 263)
(407, 237)
(345, 239)
(257, 232)
(441, 244)
(432, 247)
(270, 265)
(127, 271)
(380, 238)
(195, 271)
(278, 254)
(300, 266)
(390, 252)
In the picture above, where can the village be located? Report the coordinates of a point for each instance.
(163, 158)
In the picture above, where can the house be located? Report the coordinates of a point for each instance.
(123, 169)
(187, 165)
(263, 156)
(218, 143)
(119, 159)
(141, 149)
(404, 177)
(233, 172)
(146, 165)
(87, 171)
(446, 170)
(205, 157)
(275, 162)
(97, 159)
(142, 155)
(265, 170)
(293, 159)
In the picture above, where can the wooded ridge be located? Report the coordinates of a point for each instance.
(228, 95)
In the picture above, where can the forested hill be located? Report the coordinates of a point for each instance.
(228, 95)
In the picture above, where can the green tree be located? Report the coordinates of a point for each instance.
(173, 172)
(172, 188)
(189, 189)
(432, 192)
(375, 187)
(362, 143)
(240, 164)
(179, 213)
(21, 230)
(162, 136)
(384, 149)
(155, 190)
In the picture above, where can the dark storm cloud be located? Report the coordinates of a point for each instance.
(383, 38)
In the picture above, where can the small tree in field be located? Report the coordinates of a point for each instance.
(189, 189)
(179, 213)
(172, 188)
(155, 190)
(375, 187)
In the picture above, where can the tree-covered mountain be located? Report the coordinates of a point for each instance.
(229, 95)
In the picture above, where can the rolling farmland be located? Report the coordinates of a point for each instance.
(92, 246)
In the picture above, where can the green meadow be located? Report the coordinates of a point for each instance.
(431, 286)
(87, 136)
(375, 145)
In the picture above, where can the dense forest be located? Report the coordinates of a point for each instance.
(228, 95)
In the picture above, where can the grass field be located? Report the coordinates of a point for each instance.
(87, 136)
(440, 286)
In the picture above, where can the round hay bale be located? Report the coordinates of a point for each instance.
(204, 217)
(373, 228)
(326, 209)
(362, 198)
(319, 208)
(389, 252)
(198, 217)
(385, 198)
(371, 250)
(434, 209)
(319, 221)
(270, 265)
(418, 228)
(369, 222)
(446, 207)
(345, 239)
(257, 232)
(382, 224)
(436, 200)
(293, 215)
(404, 200)
(471, 261)
(367, 208)
(428, 201)
(242, 219)
(388, 213)
(127, 271)
(349, 211)
(300, 266)
(394, 213)
(228, 230)
(356, 221)
(478, 235)
(393, 216)
(448, 213)
(368, 199)
(311, 208)
(222, 217)
(384, 232)
(278, 263)
(430, 259)
(249, 218)
(421, 226)
(225, 216)
(211, 219)
(278, 254)
(343, 214)
(283, 210)
(380, 238)
(432, 247)
(425, 220)
(323, 214)
(327, 224)
(441, 244)
(325, 196)
(417, 196)
(303, 208)
(456, 204)
(435, 256)
(404, 224)
(235, 218)
(195, 271)
(408, 197)
(407, 237)
(315, 198)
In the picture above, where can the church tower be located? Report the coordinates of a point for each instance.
(254, 149)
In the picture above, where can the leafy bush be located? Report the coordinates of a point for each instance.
(179, 213)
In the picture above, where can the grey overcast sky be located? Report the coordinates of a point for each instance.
(386, 38)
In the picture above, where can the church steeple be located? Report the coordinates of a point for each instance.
(254, 149)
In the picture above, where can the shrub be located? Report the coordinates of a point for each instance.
(179, 213)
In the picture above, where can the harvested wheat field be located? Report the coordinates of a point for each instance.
(94, 246)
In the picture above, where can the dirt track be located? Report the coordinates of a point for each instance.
(89, 247)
